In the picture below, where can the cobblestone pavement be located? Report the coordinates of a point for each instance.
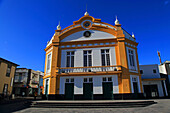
(162, 106)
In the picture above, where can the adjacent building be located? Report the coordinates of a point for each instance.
(7, 71)
(26, 82)
(92, 59)
(165, 73)
(154, 85)
(40, 88)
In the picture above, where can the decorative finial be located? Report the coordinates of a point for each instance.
(59, 27)
(86, 13)
(116, 21)
(133, 36)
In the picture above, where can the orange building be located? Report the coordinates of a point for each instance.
(92, 59)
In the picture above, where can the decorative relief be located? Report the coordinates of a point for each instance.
(99, 24)
(95, 44)
(131, 45)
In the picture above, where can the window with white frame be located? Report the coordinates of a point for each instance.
(85, 79)
(131, 57)
(107, 79)
(8, 70)
(20, 77)
(70, 59)
(104, 79)
(88, 80)
(105, 55)
(69, 80)
(48, 62)
(134, 79)
(87, 58)
(72, 80)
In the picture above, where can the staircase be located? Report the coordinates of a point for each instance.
(91, 104)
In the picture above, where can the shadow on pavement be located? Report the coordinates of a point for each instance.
(20, 104)
(8, 106)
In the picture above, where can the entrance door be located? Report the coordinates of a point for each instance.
(154, 90)
(151, 91)
(69, 91)
(135, 88)
(108, 90)
(88, 91)
(46, 89)
(5, 90)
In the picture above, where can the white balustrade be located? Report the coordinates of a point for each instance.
(88, 69)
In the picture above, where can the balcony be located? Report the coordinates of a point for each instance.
(90, 70)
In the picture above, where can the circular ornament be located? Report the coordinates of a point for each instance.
(86, 24)
(87, 34)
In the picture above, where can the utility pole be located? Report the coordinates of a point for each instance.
(159, 55)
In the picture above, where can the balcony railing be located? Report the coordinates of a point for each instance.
(89, 69)
(34, 82)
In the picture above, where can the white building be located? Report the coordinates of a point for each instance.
(153, 85)
(164, 69)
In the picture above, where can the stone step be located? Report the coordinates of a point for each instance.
(90, 104)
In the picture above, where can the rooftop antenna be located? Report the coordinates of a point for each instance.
(86, 7)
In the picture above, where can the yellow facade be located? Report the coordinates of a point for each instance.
(120, 48)
(5, 79)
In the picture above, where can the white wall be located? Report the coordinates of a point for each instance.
(95, 35)
(97, 84)
(148, 71)
(96, 56)
(159, 85)
(162, 69)
(138, 82)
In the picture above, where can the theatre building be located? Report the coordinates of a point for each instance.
(91, 59)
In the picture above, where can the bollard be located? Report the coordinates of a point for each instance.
(13, 96)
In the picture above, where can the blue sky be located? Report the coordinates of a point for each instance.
(27, 25)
